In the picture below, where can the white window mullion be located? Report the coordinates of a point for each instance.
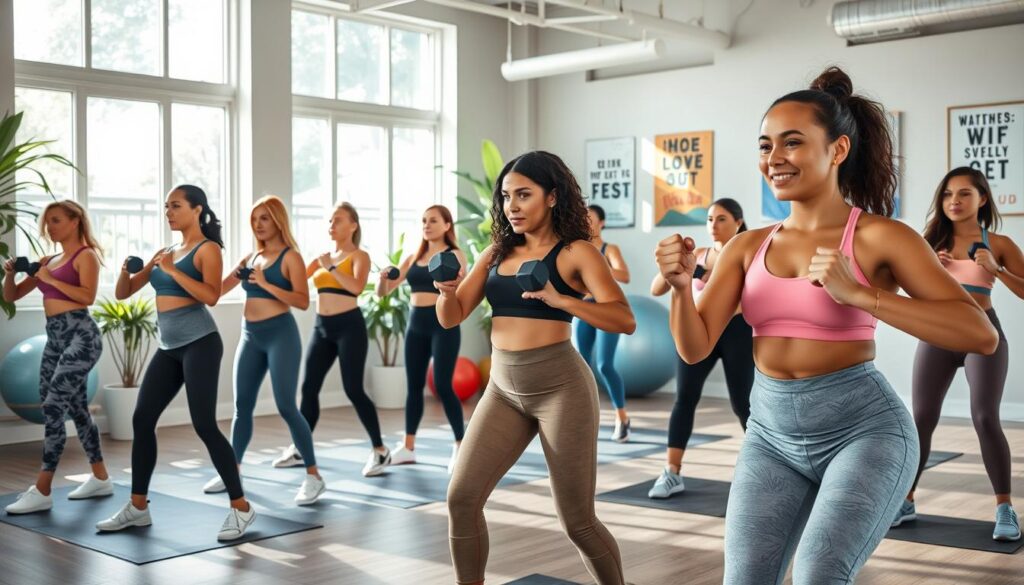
(79, 142)
(334, 161)
(87, 32)
(167, 175)
(332, 59)
(165, 41)
(389, 212)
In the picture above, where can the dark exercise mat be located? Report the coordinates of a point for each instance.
(538, 579)
(180, 527)
(655, 437)
(706, 497)
(954, 532)
(937, 457)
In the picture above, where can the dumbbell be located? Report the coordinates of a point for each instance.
(532, 275)
(975, 247)
(133, 264)
(699, 272)
(21, 264)
(391, 273)
(444, 266)
(243, 273)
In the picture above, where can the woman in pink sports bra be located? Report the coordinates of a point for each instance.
(68, 282)
(961, 216)
(829, 450)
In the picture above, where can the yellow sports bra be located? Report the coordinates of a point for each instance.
(326, 283)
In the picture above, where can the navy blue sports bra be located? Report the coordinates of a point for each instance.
(165, 286)
(419, 278)
(506, 297)
(274, 276)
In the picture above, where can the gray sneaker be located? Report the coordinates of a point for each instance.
(1007, 525)
(236, 524)
(668, 483)
(128, 516)
(621, 432)
(906, 513)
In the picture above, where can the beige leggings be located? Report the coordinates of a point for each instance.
(548, 390)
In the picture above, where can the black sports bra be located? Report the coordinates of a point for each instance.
(506, 296)
(419, 278)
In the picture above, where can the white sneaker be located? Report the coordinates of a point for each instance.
(310, 491)
(402, 456)
(92, 488)
(454, 457)
(236, 524)
(31, 500)
(667, 484)
(128, 516)
(289, 458)
(214, 486)
(376, 463)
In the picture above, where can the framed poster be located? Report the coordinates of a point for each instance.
(990, 138)
(683, 177)
(611, 170)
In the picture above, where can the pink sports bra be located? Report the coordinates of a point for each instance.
(793, 307)
(65, 273)
(970, 275)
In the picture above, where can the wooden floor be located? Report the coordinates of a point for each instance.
(390, 546)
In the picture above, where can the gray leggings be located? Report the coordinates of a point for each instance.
(824, 466)
(272, 344)
(934, 368)
(548, 390)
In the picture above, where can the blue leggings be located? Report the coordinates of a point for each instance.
(272, 344)
(587, 337)
(826, 462)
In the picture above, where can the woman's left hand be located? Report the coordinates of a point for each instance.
(984, 258)
(43, 275)
(831, 270)
(257, 276)
(166, 262)
(548, 295)
(325, 260)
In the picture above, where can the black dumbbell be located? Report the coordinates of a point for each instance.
(391, 273)
(21, 264)
(699, 272)
(975, 247)
(532, 275)
(444, 266)
(243, 273)
(133, 264)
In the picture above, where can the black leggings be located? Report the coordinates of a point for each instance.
(197, 365)
(342, 337)
(934, 368)
(736, 349)
(425, 338)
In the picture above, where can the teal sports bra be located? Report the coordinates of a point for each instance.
(165, 286)
(274, 276)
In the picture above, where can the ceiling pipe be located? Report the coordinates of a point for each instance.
(583, 60)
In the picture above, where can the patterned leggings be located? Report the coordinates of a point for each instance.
(73, 346)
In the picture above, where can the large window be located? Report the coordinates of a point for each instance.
(143, 107)
(366, 127)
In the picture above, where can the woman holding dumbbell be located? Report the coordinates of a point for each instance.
(274, 279)
(187, 279)
(340, 334)
(538, 382)
(734, 348)
(68, 282)
(425, 338)
(961, 216)
(587, 336)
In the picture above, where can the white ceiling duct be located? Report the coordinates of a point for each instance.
(572, 61)
(868, 21)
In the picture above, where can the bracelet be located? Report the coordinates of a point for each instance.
(878, 298)
(332, 268)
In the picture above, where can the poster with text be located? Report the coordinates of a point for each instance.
(990, 138)
(683, 177)
(611, 165)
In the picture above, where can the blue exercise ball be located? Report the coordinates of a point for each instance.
(19, 379)
(646, 360)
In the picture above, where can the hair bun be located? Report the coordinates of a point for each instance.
(835, 82)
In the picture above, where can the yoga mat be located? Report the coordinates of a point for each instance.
(953, 532)
(702, 496)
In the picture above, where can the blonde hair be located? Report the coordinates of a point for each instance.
(279, 214)
(358, 235)
(73, 211)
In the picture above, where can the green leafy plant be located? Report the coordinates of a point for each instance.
(15, 158)
(387, 317)
(129, 327)
(475, 220)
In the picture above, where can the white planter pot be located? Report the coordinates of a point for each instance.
(387, 386)
(119, 403)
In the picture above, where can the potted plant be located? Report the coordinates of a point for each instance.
(386, 319)
(19, 159)
(128, 328)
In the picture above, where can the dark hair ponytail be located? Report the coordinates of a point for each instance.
(867, 178)
(735, 210)
(208, 222)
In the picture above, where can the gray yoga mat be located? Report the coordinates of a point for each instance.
(538, 579)
(706, 497)
(953, 532)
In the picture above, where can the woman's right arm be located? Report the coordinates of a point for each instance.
(231, 280)
(459, 297)
(386, 286)
(129, 284)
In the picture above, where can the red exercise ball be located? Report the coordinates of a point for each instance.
(465, 380)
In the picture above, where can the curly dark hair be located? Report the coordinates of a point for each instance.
(568, 216)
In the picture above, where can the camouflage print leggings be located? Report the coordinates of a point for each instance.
(73, 346)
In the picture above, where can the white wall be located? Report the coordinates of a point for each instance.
(779, 47)
(482, 112)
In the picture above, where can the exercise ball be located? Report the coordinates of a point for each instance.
(19, 379)
(484, 365)
(465, 379)
(647, 359)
